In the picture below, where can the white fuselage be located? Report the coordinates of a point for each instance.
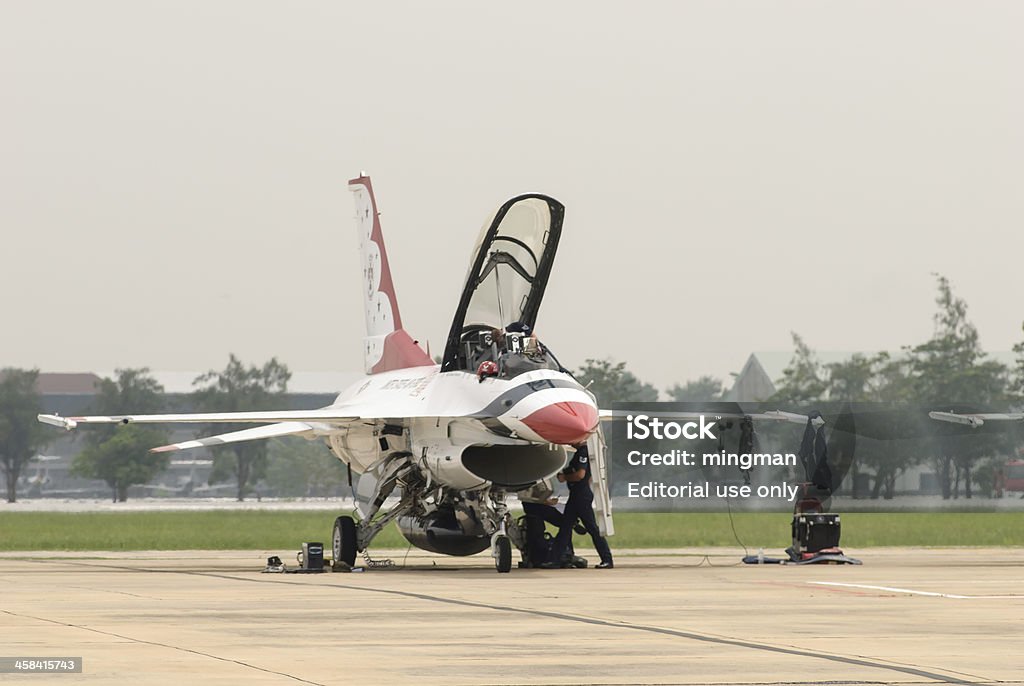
(437, 415)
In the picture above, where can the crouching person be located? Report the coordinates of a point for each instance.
(539, 510)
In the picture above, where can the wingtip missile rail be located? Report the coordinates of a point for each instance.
(57, 420)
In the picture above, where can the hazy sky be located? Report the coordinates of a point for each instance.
(173, 174)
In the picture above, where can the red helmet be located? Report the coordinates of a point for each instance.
(487, 368)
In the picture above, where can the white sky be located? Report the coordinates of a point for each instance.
(172, 174)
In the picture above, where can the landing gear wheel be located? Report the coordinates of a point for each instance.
(343, 541)
(503, 554)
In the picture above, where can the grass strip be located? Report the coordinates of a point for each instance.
(281, 529)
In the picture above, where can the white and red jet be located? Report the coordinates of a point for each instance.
(452, 439)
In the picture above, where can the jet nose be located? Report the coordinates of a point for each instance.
(563, 423)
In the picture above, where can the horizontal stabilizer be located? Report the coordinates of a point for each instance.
(259, 432)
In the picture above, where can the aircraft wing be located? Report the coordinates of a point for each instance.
(327, 415)
(976, 419)
(269, 431)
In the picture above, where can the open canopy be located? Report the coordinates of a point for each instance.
(509, 271)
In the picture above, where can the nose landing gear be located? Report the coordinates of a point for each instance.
(502, 552)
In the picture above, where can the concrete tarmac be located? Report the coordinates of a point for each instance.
(660, 617)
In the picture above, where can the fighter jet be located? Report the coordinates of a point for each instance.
(449, 442)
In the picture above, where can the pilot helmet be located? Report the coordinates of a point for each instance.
(487, 368)
(519, 327)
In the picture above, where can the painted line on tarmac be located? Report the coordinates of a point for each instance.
(161, 645)
(594, 621)
(911, 591)
(860, 662)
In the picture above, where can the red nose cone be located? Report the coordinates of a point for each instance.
(563, 423)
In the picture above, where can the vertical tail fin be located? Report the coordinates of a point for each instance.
(388, 346)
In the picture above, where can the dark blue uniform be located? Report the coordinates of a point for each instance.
(537, 514)
(579, 506)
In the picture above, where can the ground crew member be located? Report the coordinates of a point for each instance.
(579, 506)
(537, 514)
(539, 509)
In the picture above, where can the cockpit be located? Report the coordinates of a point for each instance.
(502, 354)
(491, 333)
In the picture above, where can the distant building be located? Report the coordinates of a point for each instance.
(51, 383)
(751, 384)
(61, 383)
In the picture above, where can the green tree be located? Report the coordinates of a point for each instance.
(894, 384)
(300, 467)
(238, 388)
(856, 379)
(124, 459)
(951, 366)
(611, 382)
(1016, 388)
(21, 434)
(704, 389)
(803, 380)
(120, 455)
(950, 369)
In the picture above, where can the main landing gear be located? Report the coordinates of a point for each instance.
(344, 542)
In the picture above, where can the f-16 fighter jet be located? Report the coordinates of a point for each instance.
(445, 443)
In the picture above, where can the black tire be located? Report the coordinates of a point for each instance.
(343, 541)
(503, 560)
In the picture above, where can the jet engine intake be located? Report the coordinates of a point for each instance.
(513, 467)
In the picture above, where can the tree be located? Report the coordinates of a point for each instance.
(300, 467)
(856, 379)
(124, 459)
(893, 383)
(611, 382)
(120, 455)
(802, 381)
(238, 388)
(1016, 388)
(704, 389)
(951, 368)
(21, 434)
